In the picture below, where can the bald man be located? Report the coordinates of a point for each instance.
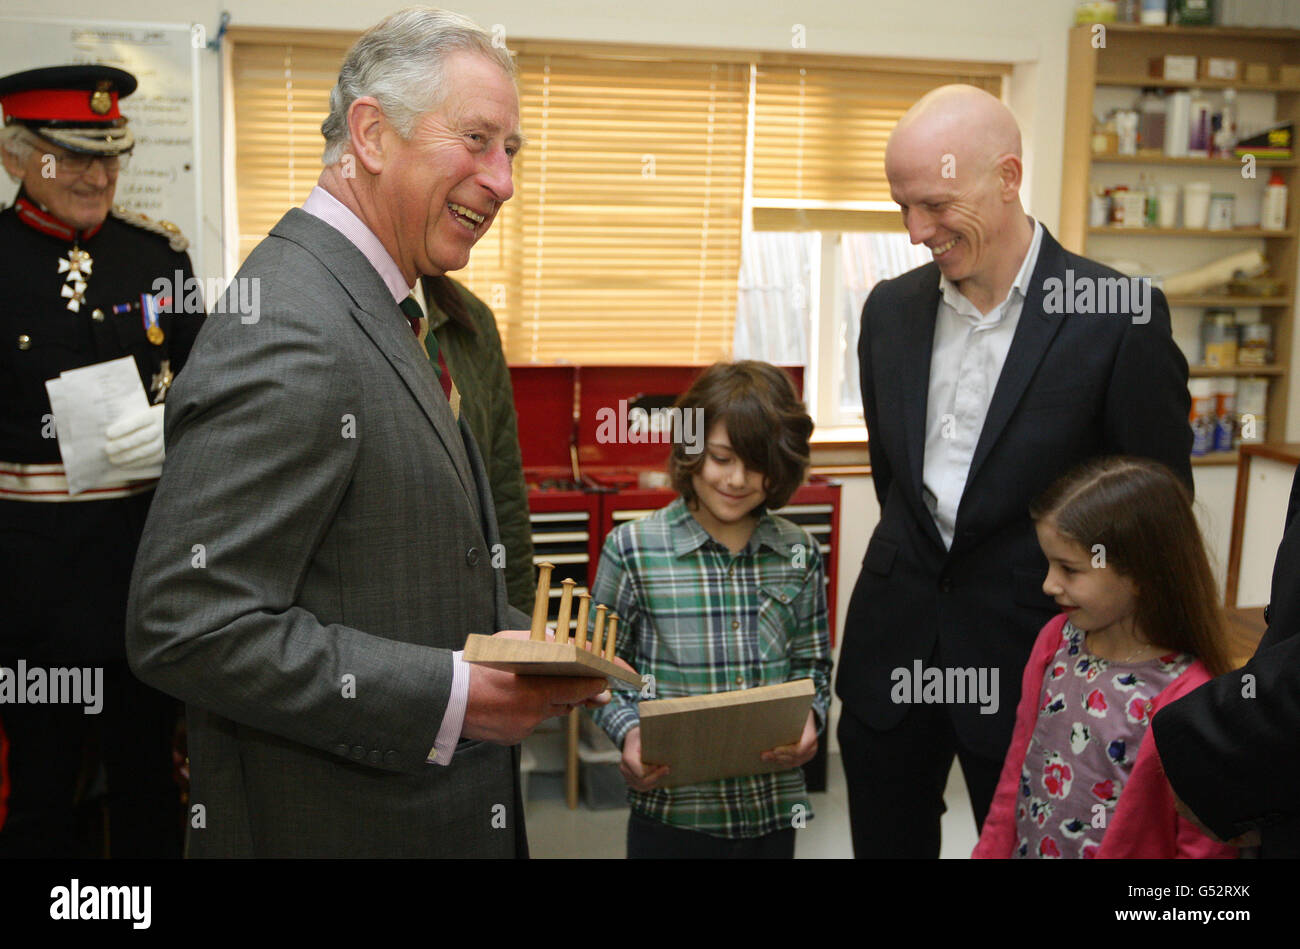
(986, 374)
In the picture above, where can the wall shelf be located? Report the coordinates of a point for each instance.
(1122, 61)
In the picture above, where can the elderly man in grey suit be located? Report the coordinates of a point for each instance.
(321, 541)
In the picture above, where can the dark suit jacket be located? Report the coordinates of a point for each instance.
(1234, 759)
(1072, 387)
(317, 547)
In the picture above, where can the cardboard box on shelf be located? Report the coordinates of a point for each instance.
(1174, 67)
(1220, 67)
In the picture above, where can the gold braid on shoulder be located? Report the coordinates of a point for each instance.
(167, 229)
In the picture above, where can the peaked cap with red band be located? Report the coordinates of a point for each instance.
(75, 107)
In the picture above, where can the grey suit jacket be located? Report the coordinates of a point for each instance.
(319, 542)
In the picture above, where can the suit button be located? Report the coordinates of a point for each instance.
(375, 757)
(358, 752)
(24, 342)
(390, 757)
(341, 750)
(945, 585)
(471, 556)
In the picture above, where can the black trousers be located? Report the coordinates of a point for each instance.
(653, 840)
(50, 750)
(896, 780)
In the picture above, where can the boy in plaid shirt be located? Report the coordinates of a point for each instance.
(715, 594)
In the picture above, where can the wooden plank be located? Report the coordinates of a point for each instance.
(528, 657)
(707, 737)
(1246, 627)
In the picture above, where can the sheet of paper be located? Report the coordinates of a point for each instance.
(85, 402)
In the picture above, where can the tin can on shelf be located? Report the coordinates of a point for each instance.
(1255, 347)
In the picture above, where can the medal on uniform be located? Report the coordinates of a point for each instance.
(149, 316)
(77, 265)
(161, 382)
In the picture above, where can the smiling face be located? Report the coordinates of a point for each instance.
(81, 201)
(444, 185)
(726, 490)
(954, 167)
(957, 218)
(1097, 599)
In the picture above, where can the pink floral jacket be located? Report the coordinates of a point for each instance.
(1144, 824)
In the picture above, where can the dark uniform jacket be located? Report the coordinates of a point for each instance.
(67, 562)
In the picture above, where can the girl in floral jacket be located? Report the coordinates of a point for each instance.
(1140, 626)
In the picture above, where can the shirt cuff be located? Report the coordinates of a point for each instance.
(453, 719)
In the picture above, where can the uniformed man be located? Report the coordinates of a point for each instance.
(78, 287)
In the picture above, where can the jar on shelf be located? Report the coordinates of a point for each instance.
(1219, 339)
(1255, 344)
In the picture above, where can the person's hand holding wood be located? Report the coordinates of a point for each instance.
(505, 708)
(792, 756)
(639, 775)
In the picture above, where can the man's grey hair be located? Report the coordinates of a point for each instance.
(19, 141)
(399, 62)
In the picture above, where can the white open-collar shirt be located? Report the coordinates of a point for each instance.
(970, 349)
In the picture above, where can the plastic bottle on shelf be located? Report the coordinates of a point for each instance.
(1150, 203)
(1225, 429)
(1252, 406)
(1203, 415)
(1198, 143)
(1154, 12)
(1272, 212)
(1151, 124)
(1225, 139)
(1178, 124)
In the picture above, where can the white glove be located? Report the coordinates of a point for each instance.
(136, 441)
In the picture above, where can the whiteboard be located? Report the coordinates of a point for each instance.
(164, 178)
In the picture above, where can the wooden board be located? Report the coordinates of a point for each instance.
(529, 657)
(707, 737)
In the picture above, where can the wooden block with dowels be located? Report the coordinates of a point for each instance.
(560, 656)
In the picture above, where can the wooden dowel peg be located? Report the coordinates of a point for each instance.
(542, 602)
(580, 634)
(566, 606)
(611, 636)
(597, 637)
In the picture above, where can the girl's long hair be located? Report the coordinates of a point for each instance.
(1141, 514)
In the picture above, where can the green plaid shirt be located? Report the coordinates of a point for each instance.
(701, 619)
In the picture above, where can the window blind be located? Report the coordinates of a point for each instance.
(820, 131)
